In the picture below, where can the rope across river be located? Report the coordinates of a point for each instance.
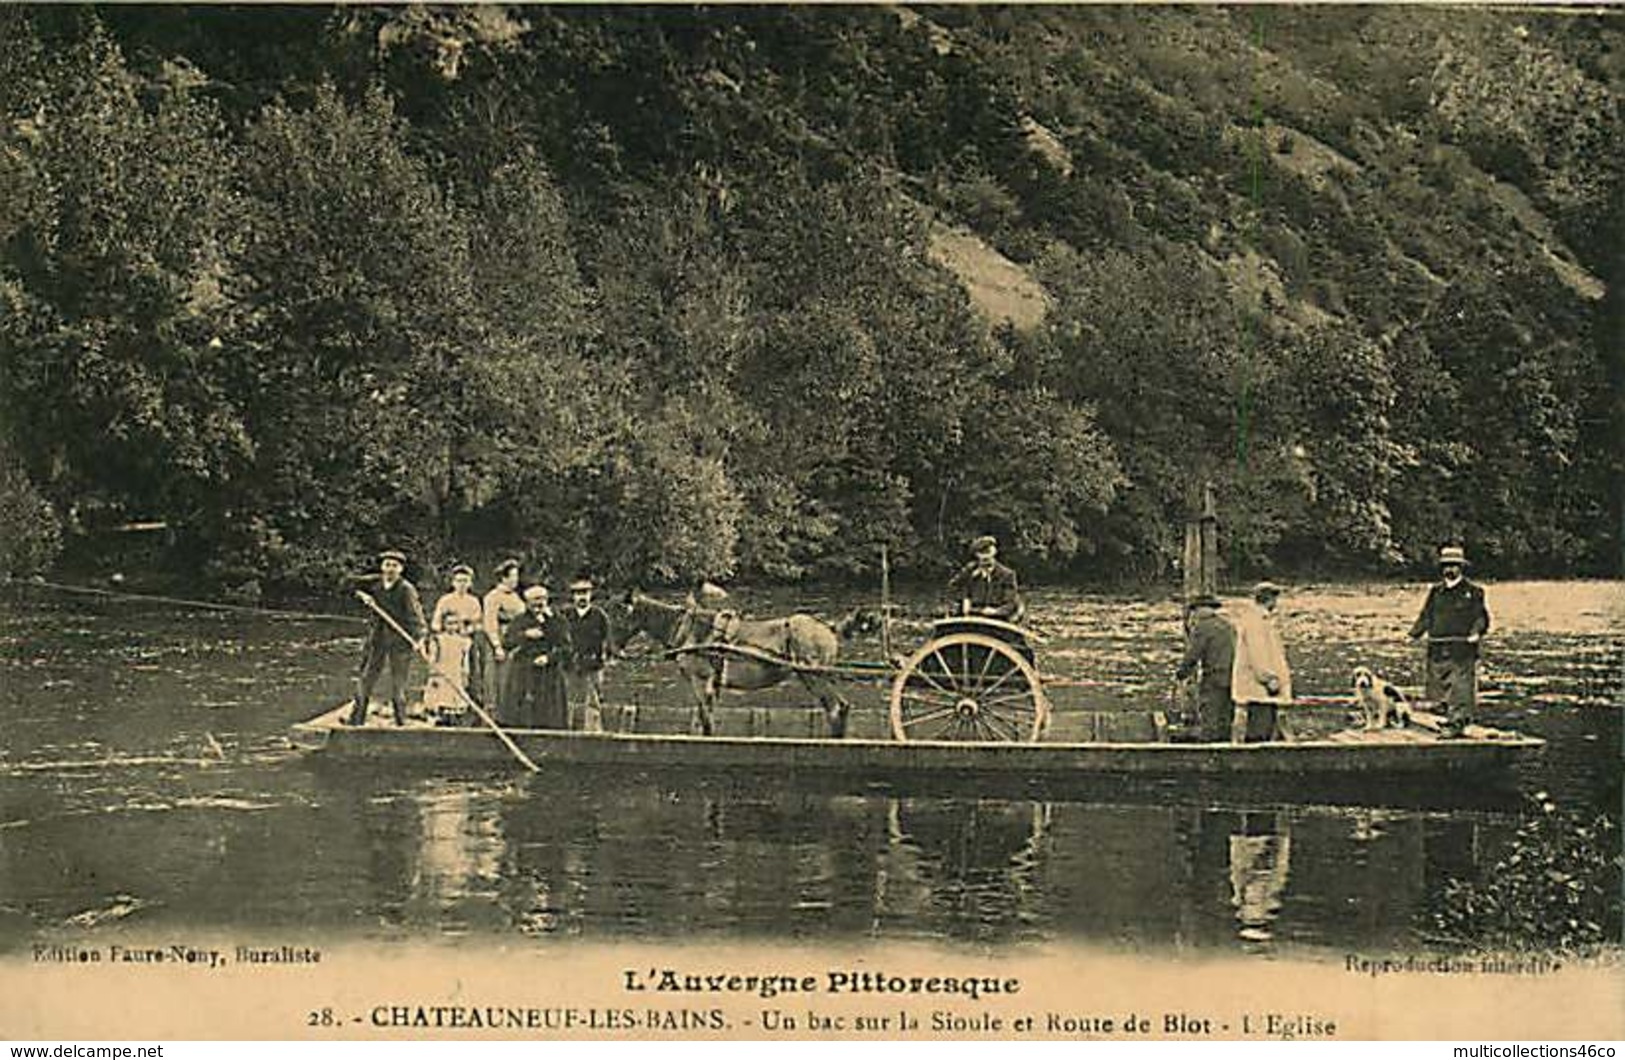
(178, 601)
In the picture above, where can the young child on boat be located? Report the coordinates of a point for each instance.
(457, 615)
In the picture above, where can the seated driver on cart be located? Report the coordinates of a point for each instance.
(985, 587)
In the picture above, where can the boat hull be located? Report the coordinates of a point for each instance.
(1394, 753)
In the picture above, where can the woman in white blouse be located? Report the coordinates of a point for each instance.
(455, 624)
(503, 604)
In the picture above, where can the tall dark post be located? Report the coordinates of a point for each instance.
(1201, 566)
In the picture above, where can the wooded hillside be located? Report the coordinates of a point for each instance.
(670, 292)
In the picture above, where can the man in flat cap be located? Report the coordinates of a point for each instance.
(589, 648)
(1454, 619)
(1210, 645)
(986, 587)
(398, 598)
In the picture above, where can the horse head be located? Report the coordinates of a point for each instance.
(645, 614)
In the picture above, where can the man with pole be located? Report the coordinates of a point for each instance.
(1454, 619)
(422, 651)
(396, 599)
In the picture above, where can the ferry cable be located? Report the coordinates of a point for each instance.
(208, 605)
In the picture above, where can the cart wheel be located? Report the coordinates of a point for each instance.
(968, 686)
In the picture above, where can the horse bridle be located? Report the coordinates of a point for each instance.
(678, 631)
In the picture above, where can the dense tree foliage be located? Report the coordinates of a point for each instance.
(663, 292)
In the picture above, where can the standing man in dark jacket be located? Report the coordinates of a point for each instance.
(1454, 619)
(1210, 643)
(399, 599)
(537, 643)
(985, 586)
(589, 646)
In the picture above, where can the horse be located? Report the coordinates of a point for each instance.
(799, 639)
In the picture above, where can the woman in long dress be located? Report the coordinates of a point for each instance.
(502, 605)
(456, 620)
(538, 643)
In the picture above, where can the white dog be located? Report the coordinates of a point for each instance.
(1381, 704)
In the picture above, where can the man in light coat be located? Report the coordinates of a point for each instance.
(1262, 680)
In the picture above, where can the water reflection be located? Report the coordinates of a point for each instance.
(968, 868)
(1260, 862)
(645, 857)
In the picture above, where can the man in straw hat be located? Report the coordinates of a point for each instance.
(1454, 619)
(1210, 645)
(589, 648)
(399, 599)
(986, 587)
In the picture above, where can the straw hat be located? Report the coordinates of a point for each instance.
(1452, 555)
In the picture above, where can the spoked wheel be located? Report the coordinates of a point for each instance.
(969, 687)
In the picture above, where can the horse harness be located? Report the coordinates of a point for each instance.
(722, 628)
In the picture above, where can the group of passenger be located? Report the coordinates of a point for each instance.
(511, 653)
(1243, 676)
(532, 666)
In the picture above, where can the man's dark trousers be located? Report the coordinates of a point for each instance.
(399, 661)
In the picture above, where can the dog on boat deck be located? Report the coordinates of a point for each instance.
(1381, 704)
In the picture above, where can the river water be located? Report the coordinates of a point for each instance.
(147, 786)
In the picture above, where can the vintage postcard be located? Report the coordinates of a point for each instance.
(811, 522)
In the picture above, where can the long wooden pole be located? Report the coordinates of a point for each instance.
(1201, 559)
(885, 603)
(423, 654)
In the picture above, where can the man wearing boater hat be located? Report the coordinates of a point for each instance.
(589, 645)
(399, 599)
(1454, 619)
(1210, 645)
